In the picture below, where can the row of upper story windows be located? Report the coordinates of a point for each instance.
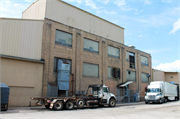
(92, 70)
(64, 38)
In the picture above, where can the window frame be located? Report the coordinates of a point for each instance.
(89, 50)
(92, 64)
(130, 73)
(58, 43)
(147, 61)
(146, 75)
(112, 71)
(112, 56)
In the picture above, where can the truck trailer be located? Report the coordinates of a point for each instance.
(160, 91)
(95, 95)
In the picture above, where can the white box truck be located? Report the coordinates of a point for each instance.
(160, 91)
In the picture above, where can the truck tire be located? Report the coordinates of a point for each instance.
(58, 105)
(160, 101)
(47, 106)
(146, 102)
(176, 99)
(165, 100)
(80, 104)
(69, 105)
(112, 102)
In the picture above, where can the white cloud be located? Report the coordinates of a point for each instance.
(104, 1)
(122, 5)
(106, 12)
(29, 1)
(147, 2)
(174, 66)
(176, 26)
(169, 1)
(158, 50)
(91, 4)
(78, 1)
(140, 36)
(138, 11)
(11, 10)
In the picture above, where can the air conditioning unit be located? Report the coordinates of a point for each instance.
(116, 73)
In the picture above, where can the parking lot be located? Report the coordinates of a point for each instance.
(170, 110)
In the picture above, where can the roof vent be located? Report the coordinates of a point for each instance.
(131, 46)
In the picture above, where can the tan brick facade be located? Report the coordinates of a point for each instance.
(78, 56)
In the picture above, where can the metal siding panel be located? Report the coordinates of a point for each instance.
(80, 19)
(35, 11)
(22, 38)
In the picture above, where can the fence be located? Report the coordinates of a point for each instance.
(122, 95)
(126, 95)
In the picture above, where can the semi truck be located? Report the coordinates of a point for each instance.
(160, 91)
(95, 95)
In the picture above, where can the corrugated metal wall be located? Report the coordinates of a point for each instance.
(72, 16)
(67, 14)
(21, 38)
(35, 11)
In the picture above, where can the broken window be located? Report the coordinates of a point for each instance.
(63, 38)
(113, 52)
(91, 46)
(113, 72)
(130, 57)
(144, 61)
(131, 75)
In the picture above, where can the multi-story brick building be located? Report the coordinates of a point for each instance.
(93, 46)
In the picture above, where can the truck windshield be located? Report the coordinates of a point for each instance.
(153, 90)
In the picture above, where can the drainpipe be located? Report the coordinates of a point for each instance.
(72, 84)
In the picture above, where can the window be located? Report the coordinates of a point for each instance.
(91, 46)
(144, 78)
(130, 57)
(144, 61)
(56, 63)
(113, 73)
(91, 70)
(113, 52)
(131, 75)
(63, 38)
(105, 89)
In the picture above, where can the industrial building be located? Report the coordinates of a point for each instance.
(51, 30)
(158, 75)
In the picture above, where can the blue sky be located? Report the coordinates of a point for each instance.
(152, 26)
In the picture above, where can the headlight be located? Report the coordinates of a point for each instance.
(157, 97)
(146, 97)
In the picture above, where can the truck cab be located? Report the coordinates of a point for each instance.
(102, 95)
(154, 94)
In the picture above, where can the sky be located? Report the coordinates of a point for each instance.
(152, 26)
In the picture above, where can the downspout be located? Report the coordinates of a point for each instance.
(72, 84)
(122, 63)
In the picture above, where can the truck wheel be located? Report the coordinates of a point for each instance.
(101, 105)
(165, 100)
(47, 106)
(69, 105)
(160, 101)
(58, 105)
(146, 102)
(175, 99)
(112, 103)
(80, 104)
